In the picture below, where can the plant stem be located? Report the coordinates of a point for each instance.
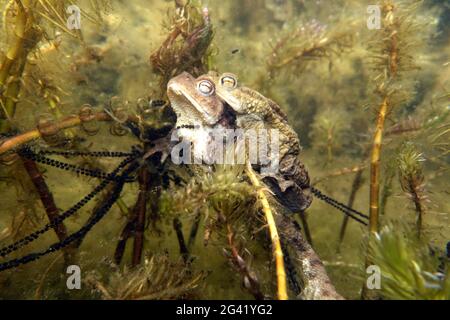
(181, 242)
(52, 129)
(194, 230)
(375, 167)
(48, 202)
(124, 236)
(356, 185)
(420, 209)
(374, 209)
(251, 282)
(140, 210)
(276, 245)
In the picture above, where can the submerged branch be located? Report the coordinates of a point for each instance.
(316, 283)
(51, 129)
(48, 202)
(139, 211)
(251, 282)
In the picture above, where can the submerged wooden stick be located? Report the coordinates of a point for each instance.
(48, 202)
(250, 280)
(135, 225)
(356, 185)
(123, 238)
(184, 251)
(51, 129)
(276, 245)
(316, 283)
(139, 212)
(341, 172)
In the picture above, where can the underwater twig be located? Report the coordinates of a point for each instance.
(129, 165)
(136, 221)
(305, 225)
(123, 238)
(316, 283)
(275, 239)
(386, 193)
(356, 185)
(194, 230)
(405, 126)
(139, 213)
(126, 233)
(48, 202)
(341, 172)
(51, 129)
(181, 243)
(251, 282)
(412, 181)
(64, 215)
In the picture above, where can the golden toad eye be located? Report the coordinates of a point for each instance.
(205, 87)
(228, 81)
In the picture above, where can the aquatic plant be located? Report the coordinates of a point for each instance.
(392, 58)
(25, 36)
(186, 47)
(412, 181)
(299, 45)
(221, 197)
(408, 270)
(329, 131)
(227, 206)
(156, 279)
(387, 190)
(29, 22)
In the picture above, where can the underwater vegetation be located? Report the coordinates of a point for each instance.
(87, 179)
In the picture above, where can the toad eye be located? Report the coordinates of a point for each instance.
(205, 87)
(229, 81)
